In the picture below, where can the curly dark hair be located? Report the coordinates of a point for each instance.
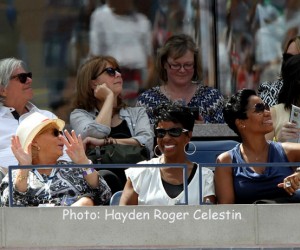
(236, 107)
(176, 113)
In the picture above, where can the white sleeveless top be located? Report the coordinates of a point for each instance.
(148, 185)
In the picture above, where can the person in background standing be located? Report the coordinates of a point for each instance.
(119, 31)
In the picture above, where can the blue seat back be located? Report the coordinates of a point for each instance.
(208, 151)
(115, 199)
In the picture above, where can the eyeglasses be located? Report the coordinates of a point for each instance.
(56, 132)
(110, 71)
(22, 77)
(174, 132)
(261, 107)
(187, 66)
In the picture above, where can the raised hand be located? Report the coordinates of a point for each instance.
(75, 148)
(101, 91)
(288, 132)
(23, 157)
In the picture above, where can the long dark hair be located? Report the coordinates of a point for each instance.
(290, 91)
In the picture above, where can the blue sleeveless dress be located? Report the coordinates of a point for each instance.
(250, 186)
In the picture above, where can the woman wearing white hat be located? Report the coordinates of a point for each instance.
(39, 141)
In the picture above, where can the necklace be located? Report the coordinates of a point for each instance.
(262, 157)
(182, 97)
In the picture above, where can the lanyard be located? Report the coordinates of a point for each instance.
(48, 183)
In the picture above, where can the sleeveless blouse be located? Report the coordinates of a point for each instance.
(250, 186)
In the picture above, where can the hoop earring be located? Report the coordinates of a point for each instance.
(187, 146)
(155, 151)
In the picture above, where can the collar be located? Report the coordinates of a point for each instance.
(7, 110)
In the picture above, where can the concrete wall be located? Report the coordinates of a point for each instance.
(151, 227)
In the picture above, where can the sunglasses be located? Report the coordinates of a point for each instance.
(56, 132)
(174, 132)
(22, 77)
(261, 107)
(110, 71)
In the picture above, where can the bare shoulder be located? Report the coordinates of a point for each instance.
(224, 158)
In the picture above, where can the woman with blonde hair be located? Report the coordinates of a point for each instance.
(39, 141)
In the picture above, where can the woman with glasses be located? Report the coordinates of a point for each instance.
(251, 120)
(100, 115)
(179, 69)
(289, 95)
(39, 141)
(164, 186)
(15, 95)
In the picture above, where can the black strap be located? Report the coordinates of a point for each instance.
(16, 115)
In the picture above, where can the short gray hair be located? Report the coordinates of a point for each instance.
(7, 66)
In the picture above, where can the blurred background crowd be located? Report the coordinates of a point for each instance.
(240, 41)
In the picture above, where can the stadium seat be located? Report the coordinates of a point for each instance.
(208, 151)
(115, 199)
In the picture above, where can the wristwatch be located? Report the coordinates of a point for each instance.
(87, 171)
(297, 170)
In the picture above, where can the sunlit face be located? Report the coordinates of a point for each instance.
(15, 91)
(172, 146)
(112, 77)
(50, 144)
(185, 71)
(259, 119)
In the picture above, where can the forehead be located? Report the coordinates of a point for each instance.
(18, 71)
(188, 55)
(168, 124)
(253, 100)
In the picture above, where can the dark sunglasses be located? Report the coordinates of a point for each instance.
(174, 132)
(56, 132)
(110, 71)
(261, 107)
(22, 77)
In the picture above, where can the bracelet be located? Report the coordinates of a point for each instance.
(109, 140)
(88, 171)
(21, 178)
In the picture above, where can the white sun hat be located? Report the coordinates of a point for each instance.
(32, 125)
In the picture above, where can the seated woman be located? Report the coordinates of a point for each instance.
(178, 66)
(250, 118)
(164, 186)
(289, 95)
(39, 141)
(100, 112)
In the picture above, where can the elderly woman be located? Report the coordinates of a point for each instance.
(15, 95)
(250, 118)
(39, 141)
(100, 112)
(164, 186)
(179, 69)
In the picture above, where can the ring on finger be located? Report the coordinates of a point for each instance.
(288, 184)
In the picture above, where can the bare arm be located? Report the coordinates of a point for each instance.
(105, 96)
(23, 158)
(224, 181)
(129, 196)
